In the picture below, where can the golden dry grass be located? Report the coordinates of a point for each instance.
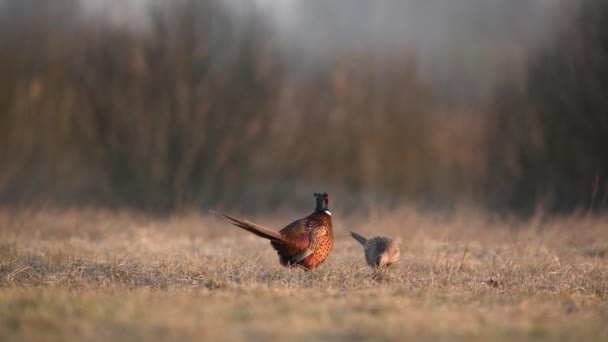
(101, 275)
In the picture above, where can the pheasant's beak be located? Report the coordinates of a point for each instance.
(382, 261)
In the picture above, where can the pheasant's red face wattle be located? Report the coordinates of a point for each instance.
(326, 201)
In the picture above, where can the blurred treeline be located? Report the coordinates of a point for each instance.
(202, 109)
(549, 144)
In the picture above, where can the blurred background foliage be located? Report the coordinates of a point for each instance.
(203, 106)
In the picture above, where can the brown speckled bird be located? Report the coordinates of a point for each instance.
(380, 251)
(305, 242)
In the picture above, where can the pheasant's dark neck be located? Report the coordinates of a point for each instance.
(322, 206)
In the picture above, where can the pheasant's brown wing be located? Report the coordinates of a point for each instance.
(301, 255)
(300, 241)
(314, 235)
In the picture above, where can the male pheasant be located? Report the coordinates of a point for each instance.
(380, 251)
(305, 242)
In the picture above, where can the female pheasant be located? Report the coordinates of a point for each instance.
(380, 251)
(305, 242)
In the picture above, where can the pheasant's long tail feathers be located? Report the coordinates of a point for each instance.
(255, 228)
(358, 237)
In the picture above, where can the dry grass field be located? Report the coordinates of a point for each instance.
(124, 276)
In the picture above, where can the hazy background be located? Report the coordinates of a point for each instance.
(254, 105)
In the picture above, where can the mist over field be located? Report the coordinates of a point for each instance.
(460, 46)
(238, 104)
(453, 42)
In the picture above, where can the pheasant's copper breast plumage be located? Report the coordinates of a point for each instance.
(380, 251)
(306, 242)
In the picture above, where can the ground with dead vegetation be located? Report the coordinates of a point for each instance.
(107, 275)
